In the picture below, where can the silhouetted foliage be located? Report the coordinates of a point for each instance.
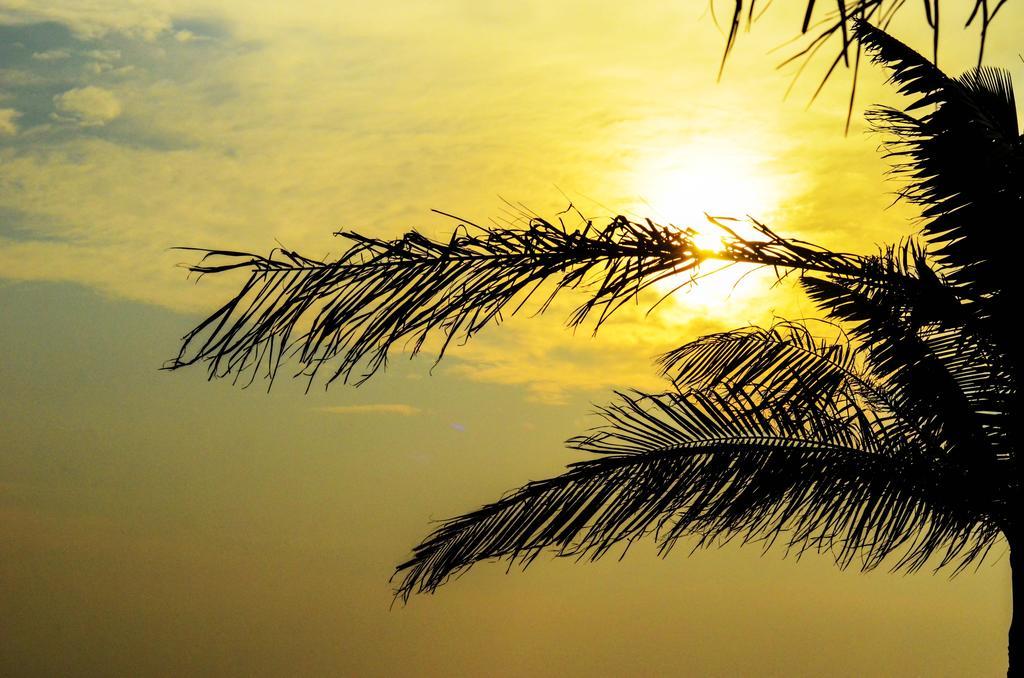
(821, 23)
(894, 441)
(381, 293)
(832, 24)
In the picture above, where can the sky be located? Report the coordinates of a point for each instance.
(156, 523)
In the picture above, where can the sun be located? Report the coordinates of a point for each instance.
(682, 188)
(709, 243)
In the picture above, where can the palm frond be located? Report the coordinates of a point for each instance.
(836, 19)
(719, 467)
(963, 163)
(380, 292)
(352, 311)
(942, 374)
(791, 368)
(834, 24)
(782, 358)
(913, 74)
(991, 92)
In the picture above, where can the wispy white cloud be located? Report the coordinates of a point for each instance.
(8, 126)
(104, 54)
(378, 408)
(89, 106)
(16, 77)
(52, 55)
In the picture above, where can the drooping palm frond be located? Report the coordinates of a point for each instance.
(720, 466)
(790, 367)
(886, 441)
(352, 311)
(912, 73)
(941, 369)
(833, 23)
(937, 383)
(963, 162)
(782, 357)
(816, 33)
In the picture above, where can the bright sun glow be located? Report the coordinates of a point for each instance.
(709, 242)
(707, 178)
(683, 188)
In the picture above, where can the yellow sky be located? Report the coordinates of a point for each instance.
(128, 128)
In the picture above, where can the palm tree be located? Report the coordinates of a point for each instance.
(893, 441)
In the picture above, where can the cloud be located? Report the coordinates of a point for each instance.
(378, 408)
(51, 55)
(91, 19)
(387, 126)
(15, 77)
(88, 106)
(8, 128)
(104, 54)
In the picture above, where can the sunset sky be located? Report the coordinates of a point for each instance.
(154, 523)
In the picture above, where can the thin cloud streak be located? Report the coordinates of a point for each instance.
(378, 408)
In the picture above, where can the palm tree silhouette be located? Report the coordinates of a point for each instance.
(893, 441)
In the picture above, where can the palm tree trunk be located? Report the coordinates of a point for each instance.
(1016, 644)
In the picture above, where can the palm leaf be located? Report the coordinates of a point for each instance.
(351, 312)
(833, 25)
(784, 358)
(789, 367)
(940, 373)
(913, 74)
(719, 467)
(963, 161)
